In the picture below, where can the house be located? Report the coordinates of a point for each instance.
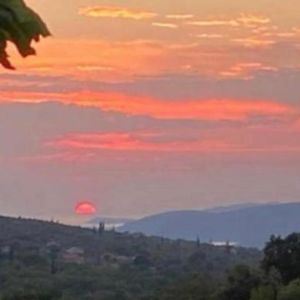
(229, 247)
(74, 255)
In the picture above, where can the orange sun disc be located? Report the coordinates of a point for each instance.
(85, 208)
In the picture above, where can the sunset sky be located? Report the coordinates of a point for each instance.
(144, 106)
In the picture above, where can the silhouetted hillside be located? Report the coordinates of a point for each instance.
(46, 260)
(249, 226)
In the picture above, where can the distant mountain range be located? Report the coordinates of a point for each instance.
(250, 225)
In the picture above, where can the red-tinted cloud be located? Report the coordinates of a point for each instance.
(140, 141)
(209, 109)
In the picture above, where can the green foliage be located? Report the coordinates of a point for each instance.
(195, 287)
(20, 25)
(114, 266)
(284, 256)
(119, 266)
(290, 292)
(263, 292)
(241, 281)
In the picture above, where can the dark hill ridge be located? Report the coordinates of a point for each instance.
(51, 261)
(29, 234)
(248, 226)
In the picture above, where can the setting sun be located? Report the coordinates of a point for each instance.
(85, 208)
(150, 149)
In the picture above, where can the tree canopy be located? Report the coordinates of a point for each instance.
(283, 254)
(20, 25)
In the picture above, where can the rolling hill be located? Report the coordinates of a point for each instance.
(51, 261)
(249, 226)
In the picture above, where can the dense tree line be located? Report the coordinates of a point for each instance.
(114, 265)
(277, 278)
(135, 267)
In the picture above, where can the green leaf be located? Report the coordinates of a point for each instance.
(20, 25)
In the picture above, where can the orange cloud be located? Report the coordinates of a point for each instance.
(180, 16)
(91, 58)
(243, 20)
(285, 34)
(165, 25)
(208, 36)
(116, 12)
(244, 70)
(211, 109)
(254, 42)
(243, 140)
(212, 23)
(253, 21)
(132, 142)
(113, 61)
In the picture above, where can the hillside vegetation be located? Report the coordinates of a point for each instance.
(47, 260)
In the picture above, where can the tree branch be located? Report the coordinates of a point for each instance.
(20, 25)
